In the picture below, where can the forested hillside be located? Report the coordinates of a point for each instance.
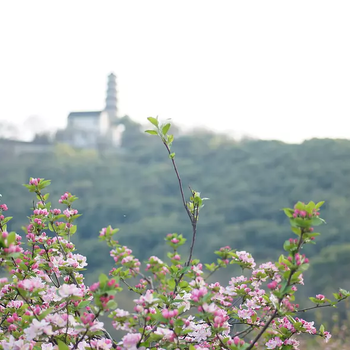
(247, 182)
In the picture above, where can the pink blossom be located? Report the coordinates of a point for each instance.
(245, 257)
(166, 333)
(34, 181)
(3, 207)
(37, 328)
(327, 336)
(13, 344)
(31, 284)
(102, 344)
(94, 286)
(274, 343)
(17, 304)
(245, 314)
(320, 297)
(67, 290)
(130, 340)
(198, 293)
(272, 285)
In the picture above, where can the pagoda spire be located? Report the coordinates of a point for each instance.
(111, 97)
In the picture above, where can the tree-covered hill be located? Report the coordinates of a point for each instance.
(247, 182)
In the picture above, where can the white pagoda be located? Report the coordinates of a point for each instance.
(92, 129)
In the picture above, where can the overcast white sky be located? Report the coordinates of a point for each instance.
(273, 69)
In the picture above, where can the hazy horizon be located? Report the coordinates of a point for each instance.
(272, 70)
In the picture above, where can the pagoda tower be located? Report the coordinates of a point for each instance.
(111, 97)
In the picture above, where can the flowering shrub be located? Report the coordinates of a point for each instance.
(46, 305)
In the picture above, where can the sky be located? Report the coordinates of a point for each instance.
(269, 69)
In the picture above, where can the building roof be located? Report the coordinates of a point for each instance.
(92, 114)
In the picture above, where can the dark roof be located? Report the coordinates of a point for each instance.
(14, 142)
(84, 114)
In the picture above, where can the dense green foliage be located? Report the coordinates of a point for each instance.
(247, 183)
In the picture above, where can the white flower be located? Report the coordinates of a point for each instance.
(37, 328)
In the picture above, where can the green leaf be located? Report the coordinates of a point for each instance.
(183, 284)
(154, 121)
(73, 229)
(159, 317)
(314, 300)
(286, 246)
(289, 212)
(103, 279)
(310, 206)
(317, 221)
(152, 132)
(61, 345)
(344, 292)
(6, 220)
(319, 205)
(296, 230)
(172, 155)
(322, 329)
(185, 269)
(304, 267)
(11, 238)
(112, 304)
(31, 188)
(165, 128)
(171, 284)
(84, 304)
(170, 139)
(336, 296)
(43, 314)
(298, 222)
(23, 266)
(300, 206)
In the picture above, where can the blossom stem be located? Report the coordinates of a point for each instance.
(275, 314)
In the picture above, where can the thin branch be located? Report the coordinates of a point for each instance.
(86, 331)
(318, 306)
(143, 332)
(180, 182)
(274, 315)
(29, 305)
(192, 216)
(211, 273)
(247, 331)
(147, 279)
(130, 287)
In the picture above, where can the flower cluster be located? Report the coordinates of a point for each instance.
(45, 303)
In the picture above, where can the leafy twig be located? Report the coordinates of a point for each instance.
(275, 314)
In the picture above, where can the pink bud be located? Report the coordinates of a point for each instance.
(95, 286)
(236, 340)
(320, 297)
(272, 285)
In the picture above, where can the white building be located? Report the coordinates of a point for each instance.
(94, 129)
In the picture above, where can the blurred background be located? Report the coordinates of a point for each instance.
(258, 95)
